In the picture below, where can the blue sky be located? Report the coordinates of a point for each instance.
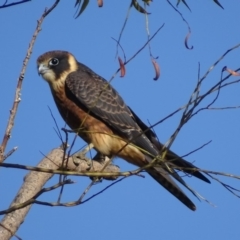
(136, 208)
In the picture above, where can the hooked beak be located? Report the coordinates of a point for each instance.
(42, 69)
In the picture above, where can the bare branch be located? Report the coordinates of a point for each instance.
(5, 5)
(33, 184)
(31, 200)
(72, 204)
(123, 27)
(17, 98)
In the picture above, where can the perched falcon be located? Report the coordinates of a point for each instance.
(95, 110)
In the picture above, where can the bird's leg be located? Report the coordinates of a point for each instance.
(82, 156)
(106, 162)
(99, 157)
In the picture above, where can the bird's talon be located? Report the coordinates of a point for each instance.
(78, 157)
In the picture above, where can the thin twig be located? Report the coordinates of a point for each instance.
(10, 153)
(31, 200)
(73, 203)
(5, 5)
(17, 98)
(123, 27)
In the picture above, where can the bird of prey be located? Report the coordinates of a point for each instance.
(95, 110)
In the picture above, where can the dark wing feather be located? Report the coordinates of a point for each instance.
(94, 93)
(171, 156)
(103, 102)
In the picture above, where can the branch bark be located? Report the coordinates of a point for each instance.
(34, 182)
(17, 98)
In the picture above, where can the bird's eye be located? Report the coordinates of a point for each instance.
(54, 62)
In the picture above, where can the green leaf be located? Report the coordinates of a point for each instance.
(138, 7)
(184, 2)
(78, 2)
(147, 2)
(218, 3)
(186, 5)
(83, 7)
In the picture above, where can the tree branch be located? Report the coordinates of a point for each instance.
(33, 184)
(5, 5)
(17, 98)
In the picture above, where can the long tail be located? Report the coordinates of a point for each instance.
(163, 174)
(163, 178)
(182, 164)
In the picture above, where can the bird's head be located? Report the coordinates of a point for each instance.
(54, 66)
